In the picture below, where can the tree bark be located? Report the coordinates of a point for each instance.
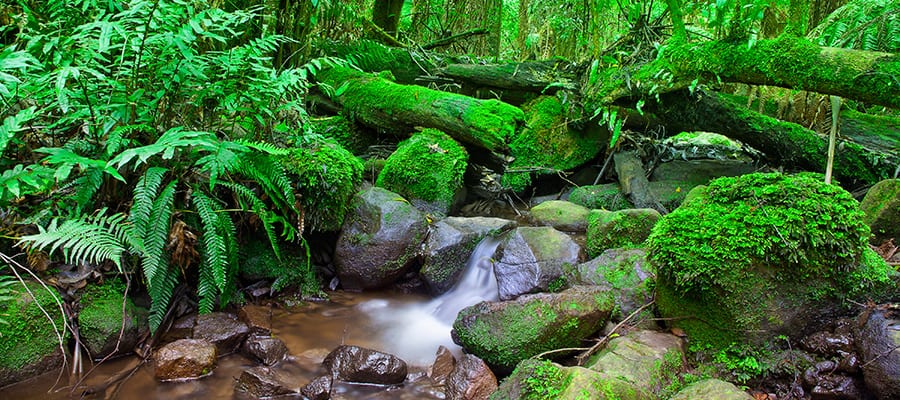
(634, 183)
(534, 76)
(386, 15)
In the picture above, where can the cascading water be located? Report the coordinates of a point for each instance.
(414, 332)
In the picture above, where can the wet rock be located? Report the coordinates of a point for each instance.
(449, 245)
(504, 333)
(265, 349)
(812, 374)
(531, 258)
(357, 364)
(379, 241)
(613, 229)
(837, 387)
(632, 366)
(471, 380)
(182, 328)
(711, 389)
(29, 345)
(562, 215)
(222, 329)
(600, 197)
(882, 210)
(699, 172)
(444, 363)
(849, 363)
(624, 273)
(257, 318)
(260, 382)
(318, 389)
(827, 343)
(878, 346)
(103, 326)
(185, 359)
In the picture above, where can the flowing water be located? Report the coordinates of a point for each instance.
(411, 327)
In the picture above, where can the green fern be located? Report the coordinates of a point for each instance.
(213, 268)
(862, 24)
(93, 239)
(144, 195)
(154, 260)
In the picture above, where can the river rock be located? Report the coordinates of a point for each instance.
(634, 365)
(612, 229)
(185, 359)
(222, 329)
(472, 379)
(318, 389)
(562, 215)
(711, 389)
(444, 364)
(877, 343)
(357, 364)
(102, 325)
(257, 318)
(268, 350)
(262, 382)
(882, 210)
(625, 273)
(506, 332)
(29, 345)
(379, 241)
(601, 197)
(531, 258)
(450, 244)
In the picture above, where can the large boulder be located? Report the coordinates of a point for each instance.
(379, 241)
(30, 345)
(769, 254)
(882, 210)
(877, 343)
(624, 228)
(185, 359)
(530, 259)
(625, 273)
(428, 170)
(109, 322)
(361, 365)
(504, 333)
(562, 215)
(711, 389)
(450, 244)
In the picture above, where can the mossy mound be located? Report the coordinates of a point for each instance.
(427, 169)
(546, 144)
(100, 319)
(882, 210)
(760, 255)
(326, 176)
(345, 132)
(562, 215)
(258, 261)
(613, 229)
(28, 343)
(600, 197)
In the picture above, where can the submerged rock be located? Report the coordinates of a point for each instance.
(185, 359)
(506, 332)
(357, 364)
(531, 258)
(449, 245)
(379, 241)
(261, 382)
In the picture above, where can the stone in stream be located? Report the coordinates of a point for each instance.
(268, 350)
(562, 215)
(185, 359)
(257, 318)
(103, 326)
(262, 382)
(361, 365)
(472, 379)
(444, 363)
(531, 259)
(379, 241)
(626, 274)
(318, 389)
(711, 389)
(29, 345)
(878, 345)
(222, 329)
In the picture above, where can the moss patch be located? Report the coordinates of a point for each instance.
(346, 133)
(611, 229)
(101, 314)
(882, 210)
(29, 337)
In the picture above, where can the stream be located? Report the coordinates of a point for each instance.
(409, 326)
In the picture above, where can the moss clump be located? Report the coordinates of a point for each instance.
(601, 197)
(28, 336)
(612, 229)
(546, 144)
(101, 314)
(534, 379)
(326, 176)
(752, 251)
(293, 269)
(346, 133)
(427, 167)
(882, 210)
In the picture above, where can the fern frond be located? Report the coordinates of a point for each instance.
(225, 157)
(93, 239)
(144, 195)
(154, 261)
(271, 177)
(264, 147)
(13, 124)
(160, 295)
(247, 197)
(86, 186)
(214, 248)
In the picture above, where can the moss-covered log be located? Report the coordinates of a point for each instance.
(382, 104)
(536, 76)
(786, 144)
(405, 64)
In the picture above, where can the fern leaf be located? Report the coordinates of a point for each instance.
(92, 239)
(160, 295)
(154, 260)
(13, 124)
(144, 195)
(247, 197)
(215, 250)
(223, 158)
(264, 147)
(272, 178)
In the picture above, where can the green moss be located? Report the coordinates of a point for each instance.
(28, 336)
(100, 317)
(326, 176)
(882, 210)
(429, 166)
(293, 269)
(603, 197)
(349, 135)
(546, 144)
(723, 256)
(612, 229)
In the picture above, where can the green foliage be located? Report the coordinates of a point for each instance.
(862, 24)
(28, 335)
(326, 175)
(545, 382)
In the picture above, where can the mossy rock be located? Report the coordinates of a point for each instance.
(326, 176)
(546, 144)
(427, 169)
(29, 345)
(706, 145)
(601, 197)
(625, 273)
(101, 316)
(712, 389)
(760, 255)
(671, 193)
(882, 210)
(562, 215)
(258, 261)
(613, 229)
(507, 332)
(345, 132)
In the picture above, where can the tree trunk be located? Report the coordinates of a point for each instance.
(382, 104)
(386, 15)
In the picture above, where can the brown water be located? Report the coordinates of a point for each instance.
(389, 322)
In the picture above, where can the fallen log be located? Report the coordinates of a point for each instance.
(381, 104)
(634, 183)
(546, 76)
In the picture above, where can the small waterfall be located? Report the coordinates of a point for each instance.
(414, 332)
